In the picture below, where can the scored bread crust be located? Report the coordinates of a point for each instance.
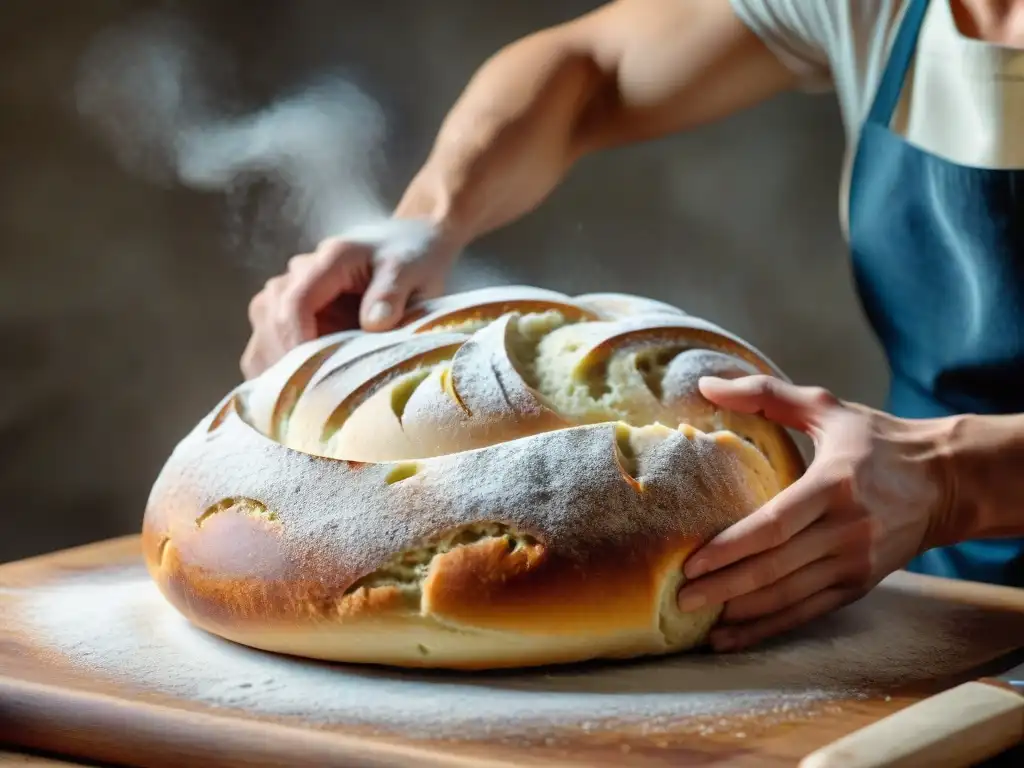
(512, 478)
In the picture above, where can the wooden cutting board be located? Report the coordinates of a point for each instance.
(141, 708)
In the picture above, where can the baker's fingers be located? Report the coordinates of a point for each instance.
(299, 262)
(385, 300)
(763, 572)
(800, 408)
(776, 522)
(314, 282)
(780, 595)
(261, 348)
(739, 636)
(340, 314)
(251, 363)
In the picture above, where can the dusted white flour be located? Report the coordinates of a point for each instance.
(119, 626)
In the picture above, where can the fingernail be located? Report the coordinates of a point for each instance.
(379, 312)
(692, 603)
(695, 569)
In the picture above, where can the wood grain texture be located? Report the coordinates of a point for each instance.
(54, 707)
(24, 760)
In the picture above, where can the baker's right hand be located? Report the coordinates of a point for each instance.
(367, 278)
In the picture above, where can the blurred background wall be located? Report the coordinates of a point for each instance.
(123, 294)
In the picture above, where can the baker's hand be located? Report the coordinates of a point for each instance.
(365, 278)
(875, 495)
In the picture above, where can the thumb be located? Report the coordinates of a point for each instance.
(800, 408)
(387, 295)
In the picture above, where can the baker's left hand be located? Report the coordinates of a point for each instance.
(875, 495)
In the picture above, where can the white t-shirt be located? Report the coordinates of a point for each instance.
(962, 99)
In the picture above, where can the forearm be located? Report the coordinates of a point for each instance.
(508, 141)
(986, 458)
(632, 70)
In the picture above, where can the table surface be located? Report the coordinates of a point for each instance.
(1000, 612)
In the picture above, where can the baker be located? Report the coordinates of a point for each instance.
(933, 209)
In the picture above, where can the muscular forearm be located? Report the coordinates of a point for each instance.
(986, 457)
(629, 71)
(508, 141)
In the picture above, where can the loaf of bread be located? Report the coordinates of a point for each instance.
(514, 477)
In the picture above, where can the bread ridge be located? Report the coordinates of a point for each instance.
(569, 536)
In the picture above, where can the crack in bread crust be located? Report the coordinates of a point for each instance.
(513, 477)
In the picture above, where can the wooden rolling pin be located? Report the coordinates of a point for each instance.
(956, 728)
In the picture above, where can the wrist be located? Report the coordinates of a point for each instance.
(985, 458)
(433, 202)
(416, 227)
(951, 521)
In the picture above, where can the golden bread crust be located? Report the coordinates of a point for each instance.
(512, 478)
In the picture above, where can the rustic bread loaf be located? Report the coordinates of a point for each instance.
(514, 477)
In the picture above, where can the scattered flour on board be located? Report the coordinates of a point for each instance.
(117, 625)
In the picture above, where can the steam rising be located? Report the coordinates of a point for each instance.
(158, 94)
(147, 88)
(320, 144)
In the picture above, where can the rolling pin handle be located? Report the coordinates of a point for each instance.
(953, 729)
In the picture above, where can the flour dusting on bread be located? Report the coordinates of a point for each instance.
(511, 478)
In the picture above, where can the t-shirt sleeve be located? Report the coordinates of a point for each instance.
(799, 32)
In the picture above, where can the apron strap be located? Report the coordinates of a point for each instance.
(900, 56)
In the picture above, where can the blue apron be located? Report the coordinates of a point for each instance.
(938, 261)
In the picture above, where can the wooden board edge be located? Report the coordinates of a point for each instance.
(119, 548)
(93, 726)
